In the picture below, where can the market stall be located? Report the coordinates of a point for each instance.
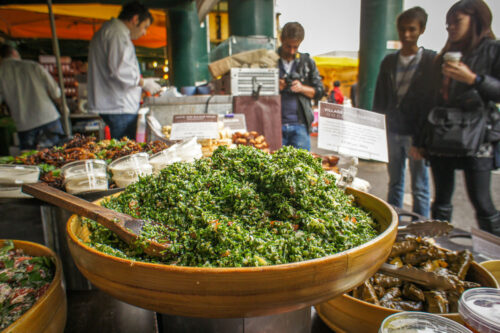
(195, 297)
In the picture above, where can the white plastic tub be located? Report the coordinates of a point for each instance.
(11, 174)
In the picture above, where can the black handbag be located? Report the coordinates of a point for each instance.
(453, 131)
(493, 125)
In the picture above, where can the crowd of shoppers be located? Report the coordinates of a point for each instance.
(413, 81)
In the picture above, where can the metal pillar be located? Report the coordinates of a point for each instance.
(57, 53)
(378, 26)
(251, 17)
(187, 46)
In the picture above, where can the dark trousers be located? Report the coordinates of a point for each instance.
(121, 125)
(45, 136)
(478, 185)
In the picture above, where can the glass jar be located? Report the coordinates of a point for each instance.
(420, 322)
(480, 309)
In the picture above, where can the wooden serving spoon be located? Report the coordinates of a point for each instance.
(126, 227)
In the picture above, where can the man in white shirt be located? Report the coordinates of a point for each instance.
(114, 79)
(29, 91)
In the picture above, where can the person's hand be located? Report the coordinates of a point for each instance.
(297, 87)
(459, 71)
(150, 85)
(282, 84)
(416, 153)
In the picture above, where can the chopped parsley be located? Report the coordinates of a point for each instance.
(241, 207)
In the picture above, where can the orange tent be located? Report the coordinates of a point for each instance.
(73, 21)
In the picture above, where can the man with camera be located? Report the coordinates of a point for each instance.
(299, 84)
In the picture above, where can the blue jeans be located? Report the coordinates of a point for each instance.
(296, 135)
(399, 147)
(121, 125)
(45, 136)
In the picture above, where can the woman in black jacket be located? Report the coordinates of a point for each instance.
(469, 32)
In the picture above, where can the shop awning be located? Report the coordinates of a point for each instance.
(73, 21)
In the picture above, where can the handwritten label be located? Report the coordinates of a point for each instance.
(352, 131)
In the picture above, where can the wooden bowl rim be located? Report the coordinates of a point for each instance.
(382, 308)
(229, 270)
(54, 285)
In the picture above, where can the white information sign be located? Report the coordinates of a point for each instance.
(352, 131)
(202, 126)
(235, 122)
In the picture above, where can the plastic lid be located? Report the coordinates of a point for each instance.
(480, 309)
(83, 167)
(420, 322)
(82, 163)
(134, 161)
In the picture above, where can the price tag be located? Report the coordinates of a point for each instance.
(202, 126)
(352, 131)
(235, 122)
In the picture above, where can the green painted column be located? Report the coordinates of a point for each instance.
(187, 46)
(378, 26)
(251, 17)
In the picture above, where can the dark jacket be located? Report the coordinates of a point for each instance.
(308, 73)
(484, 60)
(406, 118)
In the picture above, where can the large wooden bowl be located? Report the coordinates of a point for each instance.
(48, 314)
(349, 314)
(236, 292)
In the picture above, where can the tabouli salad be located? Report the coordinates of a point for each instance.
(240, 207)
(23, 280)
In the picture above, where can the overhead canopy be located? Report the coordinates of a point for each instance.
(343, 69)
(73, 21)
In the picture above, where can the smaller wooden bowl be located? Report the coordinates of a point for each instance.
(492, 266)
(48, 314)
(348, 314)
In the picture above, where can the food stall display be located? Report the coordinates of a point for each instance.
(28, 279)
(394, 293)
(50, 160)
(241, 207)
(365, 307)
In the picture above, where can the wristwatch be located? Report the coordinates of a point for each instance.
(478, 80)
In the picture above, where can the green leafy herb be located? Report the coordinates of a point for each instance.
(241, 207)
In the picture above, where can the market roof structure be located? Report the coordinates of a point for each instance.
(73, 21)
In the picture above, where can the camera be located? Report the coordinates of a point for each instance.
(289, 78)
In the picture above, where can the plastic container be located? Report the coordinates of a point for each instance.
(80, 169)
(85, 176)
(480, 309)
(132, 176)
(127, 170)
(12, 191)
(189, 150)
(122, 167)
(11, 174)
(420, 322)
(163, 158)
(89, 184)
